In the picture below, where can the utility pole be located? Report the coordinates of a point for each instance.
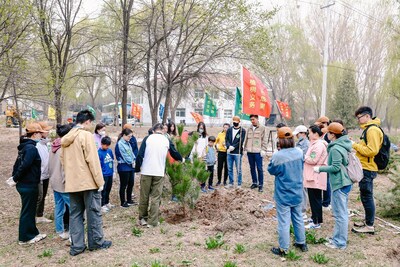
(326, 46)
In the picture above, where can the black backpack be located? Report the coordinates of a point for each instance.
(382, 158)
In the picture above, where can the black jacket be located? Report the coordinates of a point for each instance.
(26, 168)
(239, 137)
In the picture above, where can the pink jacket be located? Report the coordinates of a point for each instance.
(317, 155)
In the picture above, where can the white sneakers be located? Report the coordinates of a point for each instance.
(33, 240)
(312, 225)
(105, 209)
(43, 220)
(110, 206)
(64, 235)
(143, 222)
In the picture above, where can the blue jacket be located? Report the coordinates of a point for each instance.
(122, 167)
(210, 156)
(134, 145)
(287, 166)
(303, 144)
(106, 161)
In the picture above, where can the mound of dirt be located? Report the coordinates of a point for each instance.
(394, 253)
(229, 210)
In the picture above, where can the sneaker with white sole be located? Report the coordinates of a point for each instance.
(43, 220)
(305, 216)
(308, 220)
(327, 208)
(64, 235)
(105, 209)
(36, 239)
(152, 226)
(229, 186)
(311, 225)
(333, 246)
(110, 206)
(364, 230)
(142, 222)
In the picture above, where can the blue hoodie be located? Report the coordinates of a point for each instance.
(106, 161)
(287, 166)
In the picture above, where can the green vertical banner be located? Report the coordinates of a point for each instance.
(238, 106)
(34, 114)
(210, 108)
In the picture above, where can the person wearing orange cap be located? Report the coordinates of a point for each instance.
(287, 167)
(234, 140)
(44, 152)
(26, 177)
(341, 184)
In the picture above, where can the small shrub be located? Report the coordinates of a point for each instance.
(163, 231)
(47, 253)
(62, 260)
(179, 234)
(292, 256)
(311, 238)
(230, 264)
(240, 248)
(161, 220)
(154, 250)
(215, 242)
(319, 258)
(137, 231)
(157, 264)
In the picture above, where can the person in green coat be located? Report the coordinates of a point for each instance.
(340, 183)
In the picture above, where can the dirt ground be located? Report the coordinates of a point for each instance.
(238, 213)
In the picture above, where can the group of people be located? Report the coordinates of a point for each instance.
(317, 160)
(80, 168)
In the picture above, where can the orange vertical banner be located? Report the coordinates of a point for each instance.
(255, 95)
(197, 117)
(284, 109)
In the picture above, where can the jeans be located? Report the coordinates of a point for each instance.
(126, 186)
(237, 159)
(305, 200)
(340, 199)
(60, 199)
(286, 214)
(150, 193)
(222, 165)
(90, 201)
(326, 199)
(315, 197)
(105, 194)
(255, 160)
(27, 223)
(367, 196)
(43, 186)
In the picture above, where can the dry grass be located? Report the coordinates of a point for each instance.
(163, 244)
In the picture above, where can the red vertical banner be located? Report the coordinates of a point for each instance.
(284, 109)
(136, 110)
(255, 95)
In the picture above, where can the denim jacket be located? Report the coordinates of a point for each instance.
(287, 166)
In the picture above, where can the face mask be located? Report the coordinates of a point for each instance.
(235, 124)
(201, 131)
(102, 133)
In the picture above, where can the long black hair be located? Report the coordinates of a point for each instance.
(124, 132)
(171, 132)
(204, 134)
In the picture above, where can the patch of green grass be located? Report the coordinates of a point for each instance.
(163, 231)
(291, 230)
(240, 249)
(179, 234)
(154, 250)
(197, 244)
(135, 264)
(311, 238)
(62, 260)
(292, 255)
(319, 258)
(157, 263)
(362, 235)
(230, 264)
(359, 255)
(137, 231)
(47, 253)
(179, 245)
(161, 220)
(215, 242)
(186, 262)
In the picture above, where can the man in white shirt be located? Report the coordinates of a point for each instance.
(150, 162)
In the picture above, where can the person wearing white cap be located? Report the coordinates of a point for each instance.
(303, 143)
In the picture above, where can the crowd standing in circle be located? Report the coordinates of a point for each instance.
(307, 172)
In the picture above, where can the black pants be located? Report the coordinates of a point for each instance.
(66, 219)
(210, 169)
(27, 223)
(105, 194)
(222, 164)
(315, 197)
(367, 196)
(43, 186)
(126, 186)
